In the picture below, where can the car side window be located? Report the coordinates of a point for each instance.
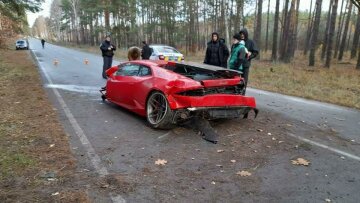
(128, 70)
(144, 71)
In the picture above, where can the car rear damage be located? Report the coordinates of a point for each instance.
(219, 95)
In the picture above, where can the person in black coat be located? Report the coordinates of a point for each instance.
(217, 53)
(253, 52)
(107, 50)
(146, 51)
(42, 43)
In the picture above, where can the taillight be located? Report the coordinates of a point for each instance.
(161, 57)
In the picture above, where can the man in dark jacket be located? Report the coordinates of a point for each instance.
(42, 43)
(107, 50)
(217, 53)
(146, 51)
(253, 52)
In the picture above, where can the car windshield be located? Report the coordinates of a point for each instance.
(20, 42)
(164, 49)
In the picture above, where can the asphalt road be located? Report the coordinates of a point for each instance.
(110, 141)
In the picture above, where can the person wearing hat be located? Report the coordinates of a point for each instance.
(253, 53)
(107, 50)
(146, 51)
(239, 54)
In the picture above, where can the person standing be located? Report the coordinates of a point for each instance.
(217, 53)
(43, 43)
(253, 52)
(146, 51)
(239, 53)
(107, 50)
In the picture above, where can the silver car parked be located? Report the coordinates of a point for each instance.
(167, 53)
(21, 44)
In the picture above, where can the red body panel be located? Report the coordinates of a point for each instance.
(222, 82)
(214, 100)
(131, 92)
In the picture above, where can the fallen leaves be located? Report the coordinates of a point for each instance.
(54, 194)
(161, 162)
(244, 173)
(300, 161)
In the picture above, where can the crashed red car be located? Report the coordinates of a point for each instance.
(168, 93)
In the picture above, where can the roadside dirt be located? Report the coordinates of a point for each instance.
(36, 164)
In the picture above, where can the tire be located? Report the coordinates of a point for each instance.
(158, 112)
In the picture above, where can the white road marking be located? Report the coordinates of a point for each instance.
(94, 158)
(340, 152)
(75, 88)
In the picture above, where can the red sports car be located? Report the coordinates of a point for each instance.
(168, 93)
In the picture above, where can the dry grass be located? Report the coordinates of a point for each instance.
(32, 141)
(338, 85)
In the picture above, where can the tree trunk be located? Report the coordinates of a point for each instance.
(257, 35)
(107, 15)
(275, 33)
(356, 37)
(323, 51)
(331, 33)
(239, 19)
(315, 33)
(267, 28)
(289, 32)
(285, 29)
(340, 28)
(226, 22)
(358, 62)
(308, 33)
(294, 35)
(346, 29)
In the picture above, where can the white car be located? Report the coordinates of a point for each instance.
(167, 53)
(21, 44)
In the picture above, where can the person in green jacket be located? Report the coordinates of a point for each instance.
(239, 53)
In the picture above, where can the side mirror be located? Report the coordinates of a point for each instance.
(111, 70)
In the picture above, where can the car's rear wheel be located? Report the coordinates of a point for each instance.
(158, 112)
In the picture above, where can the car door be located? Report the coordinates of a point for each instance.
(142, 86)
(121, 84)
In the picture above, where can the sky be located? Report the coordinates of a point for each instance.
(304, 5)
(45, 12)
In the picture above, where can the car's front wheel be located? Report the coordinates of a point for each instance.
(158, 112)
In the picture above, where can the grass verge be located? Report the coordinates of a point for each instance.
(32, 142)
